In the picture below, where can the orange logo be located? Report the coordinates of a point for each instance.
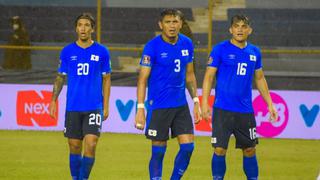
(204, 125)
(33, 109)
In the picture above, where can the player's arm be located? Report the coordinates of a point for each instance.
(262, 86)
(106, 85)
(141, 94)
(206, 89)
(57, 87)
(191, 83)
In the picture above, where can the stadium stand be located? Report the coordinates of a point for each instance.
(133, 24)
(274, 27)
(55, 24)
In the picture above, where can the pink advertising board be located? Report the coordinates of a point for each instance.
(26, 107)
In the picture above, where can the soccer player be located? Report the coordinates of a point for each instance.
(167, 66)
(87, 65)
(235, 63)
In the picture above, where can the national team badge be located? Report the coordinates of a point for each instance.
(253, 58)
(94, 57)
(146, 60)
(185, 52)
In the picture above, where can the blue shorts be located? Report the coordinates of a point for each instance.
(160, 121)
(241, 125)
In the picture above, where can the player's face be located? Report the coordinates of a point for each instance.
(170, 26)
(240, 31)
(84, 29)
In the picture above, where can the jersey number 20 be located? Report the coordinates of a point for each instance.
(83, 69)
(94, 119)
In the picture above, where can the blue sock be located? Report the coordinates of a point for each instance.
(155, 164)
(182, 160)
(250, 167)
(75, 164)
(86, 166)
(218, 167)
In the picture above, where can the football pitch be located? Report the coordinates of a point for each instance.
(37, 155)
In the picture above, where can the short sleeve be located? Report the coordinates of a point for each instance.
(106, 63)
(259, 60)
(214, 59)
(63, 64)
(148, 56)
(191, 54)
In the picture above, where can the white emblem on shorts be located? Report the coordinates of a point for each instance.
(213, 140)
(65, 130)
(152, 132)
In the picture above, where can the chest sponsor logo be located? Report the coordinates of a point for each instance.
(94, 57)
(185, 52)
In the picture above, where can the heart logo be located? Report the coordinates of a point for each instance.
(124, 109)
(309, 116)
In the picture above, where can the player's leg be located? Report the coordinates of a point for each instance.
(222, 127)
(246, 140)
(182, 127)
(156, 160)
(157, 131)
(73, 131)
(91, 128)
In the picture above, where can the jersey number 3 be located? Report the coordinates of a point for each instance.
(178, 64)
(83, 69)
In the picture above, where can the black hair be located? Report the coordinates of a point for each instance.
(240, 17)
(171, 12)
(86, 16)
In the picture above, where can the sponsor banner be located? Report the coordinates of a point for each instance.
(27, 107)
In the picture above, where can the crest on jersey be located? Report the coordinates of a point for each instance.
(253, 58)
(210, 59)
(231, 56)
(73, 58)
(94, 57)
(164, 55)
(146, 60)
(185, 52)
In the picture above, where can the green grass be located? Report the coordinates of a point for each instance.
(32, 155)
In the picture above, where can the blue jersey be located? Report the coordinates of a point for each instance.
(168, 63)
(84, 68)
(235, 71)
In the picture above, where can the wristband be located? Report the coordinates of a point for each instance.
(196, 100)
(140, 106)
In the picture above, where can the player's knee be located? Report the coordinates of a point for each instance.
(220, 151)
(91, 146)
(75, 148)
(249, 152)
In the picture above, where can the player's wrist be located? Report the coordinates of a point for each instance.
(140, 106)
(196, 100)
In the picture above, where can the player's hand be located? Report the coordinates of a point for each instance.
(206, 112)
(140, 119)
(53, 109)
(273, 114)
(197, 113)
(105, 113)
